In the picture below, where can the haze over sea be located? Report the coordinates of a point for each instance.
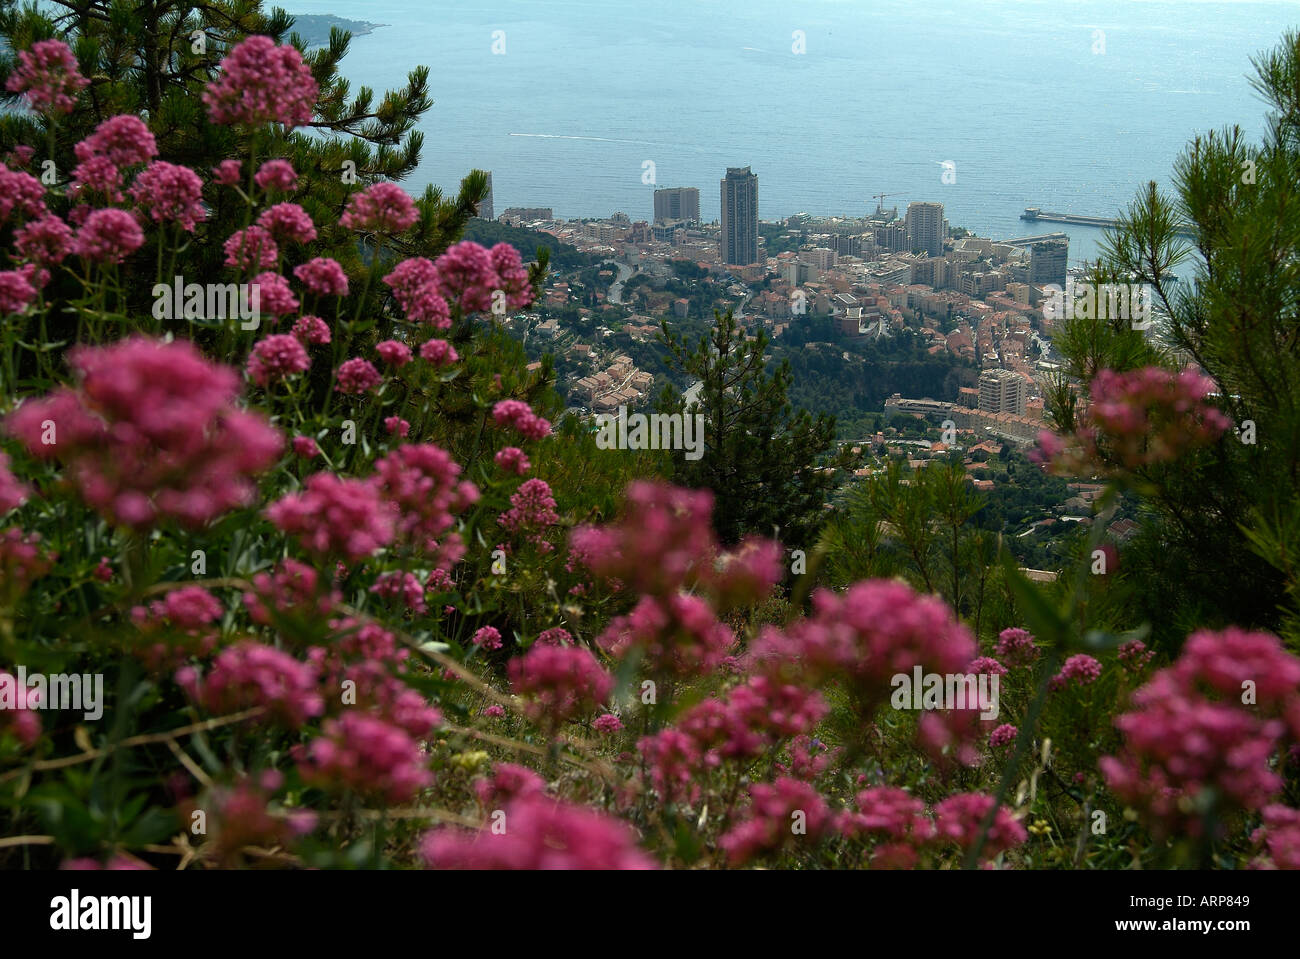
(1009, 90)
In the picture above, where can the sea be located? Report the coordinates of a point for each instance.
(586, 106)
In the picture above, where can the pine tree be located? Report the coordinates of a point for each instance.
(1221, 527)
(770, 468)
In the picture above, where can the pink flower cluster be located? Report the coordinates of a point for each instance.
(275, 358)
(483, 280)
(383, 207)
(335, 516)
(13, 492)
(957, 819)
(679, 635)
(1193, 737)
(292, 589)
(251, 674)
(262, 83)
(365, 754)
(108, 236)
(513, 460)
(508, 781)
(118, 143)
(540, 833)
(48, 76)
(357, 376)
(486, 637)
(184, 618)
(170, 194)
(415, 286)
(151, 432)
(421, 482)
(520, 416)
(865, 636)
(324, 277)
(531, 513)
(22, 192)
(786, 813)
(1081, 669)
(1138, 418)
(559, 682)
(1016, 647)
(664, 542)
(288, 223)
(19, 717)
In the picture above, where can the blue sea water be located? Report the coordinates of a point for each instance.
(1032, 105)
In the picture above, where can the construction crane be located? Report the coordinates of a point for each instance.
(879, 198)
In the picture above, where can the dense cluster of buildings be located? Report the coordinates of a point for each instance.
(978, 299)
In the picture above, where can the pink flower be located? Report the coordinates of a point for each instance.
(21, 718)
(48, 76)
(555, 636)
(262, 83)
(275, 358)
(322, 276)
(357, 376)
(250, 674)
(467, 274)
(438, 352)
(252, 248)
(532, 510)
(384, 207)
(366, 754)
(293, 589)
(288, 222)
(394, 352)
(1016, 646)
(488, 637)
(16, 292)
(1191, 740)
(421, 483)
(227, 173)
(865, 636)
(170, 194)
(273, 294)
(311, 330)
(608, 723)
(775, 812)
(512, 276)
(508, 780)
(397, 425)
(1004, 735)
(541, 834)
(117, 143)
(957, 819)
(402, 586)
(520, 415)
(1135, 655)
(104, 571)
(21, 192)
(177, 627)
(1082, 669)
(108, 236)
(888, 813)
(415, 286)
(47, 240)
(1280, 838)
(151, 432)
(512, 460)
(679, 635)
(559, 682)
(986, 664)
(276, 175)
(335, 516)
(21, 562)
(494, 711)
(305, 447)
